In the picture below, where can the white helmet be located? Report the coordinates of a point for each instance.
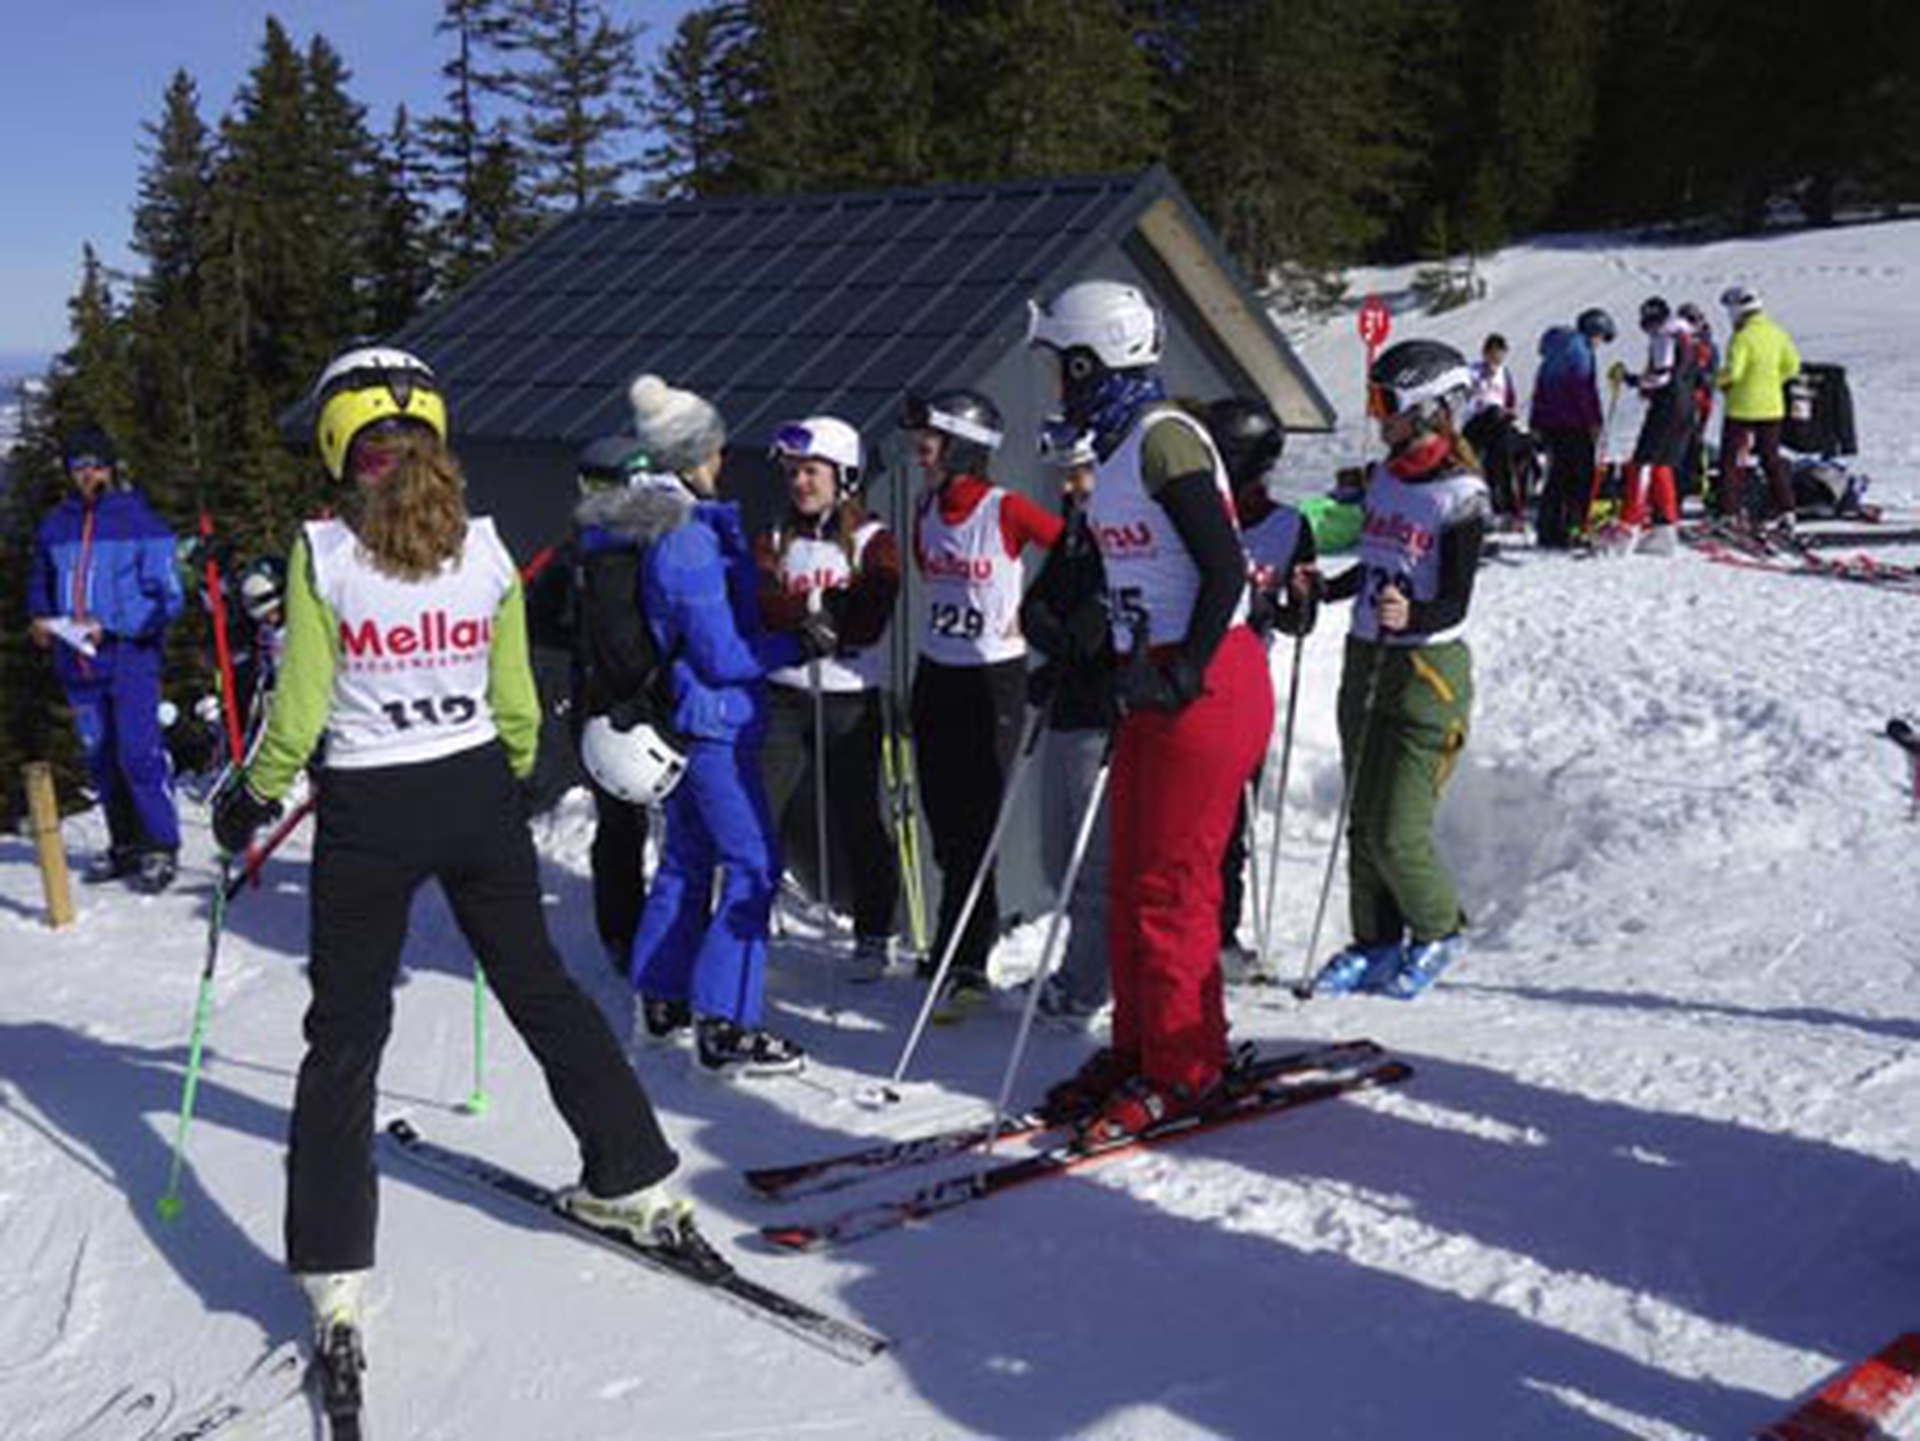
(637, 765)
(823, 437)
(1740, 300)
(1114, 321)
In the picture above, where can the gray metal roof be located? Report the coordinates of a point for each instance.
(773, 306)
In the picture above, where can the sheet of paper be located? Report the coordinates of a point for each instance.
(79, 636)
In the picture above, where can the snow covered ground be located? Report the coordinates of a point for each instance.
(1654, 1177)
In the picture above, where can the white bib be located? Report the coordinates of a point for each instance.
(413, 658)
(1150, 575)
(1400, 540)
(972, 584)
(811, 564)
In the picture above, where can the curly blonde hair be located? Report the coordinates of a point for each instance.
(414, 519)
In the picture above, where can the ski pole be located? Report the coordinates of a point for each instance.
(1050, 949)
(477, 1102)
(1250, 808)
(824, 871)
(1303, 988)
(1031, 733)
(170, 1203)
(1280, 788)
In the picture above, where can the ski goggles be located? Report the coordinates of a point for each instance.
(87, 461)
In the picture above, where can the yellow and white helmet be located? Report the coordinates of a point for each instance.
(367, 384)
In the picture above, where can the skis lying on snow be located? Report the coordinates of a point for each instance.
(145, 1412)
(1264, 1094)
(1878, 1398)
(692, 1259)
(1795, 555)
(831, 1173)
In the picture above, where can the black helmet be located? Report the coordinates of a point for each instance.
(1596, 324)
(969, 421)
(612, 462)
(1423, 376)
(1654, 310)
(1248, 435)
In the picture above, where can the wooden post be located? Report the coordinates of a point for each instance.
(43, 811)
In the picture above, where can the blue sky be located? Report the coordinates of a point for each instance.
(79, 80)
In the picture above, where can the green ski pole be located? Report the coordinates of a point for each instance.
(476, 1104)
(170, 1203)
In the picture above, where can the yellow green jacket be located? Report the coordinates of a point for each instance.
(303, 688)
(1760, 361)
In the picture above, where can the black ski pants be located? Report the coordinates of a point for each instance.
(966, 729)
(859, 833)
(618, 858)
(381, 834)
(1569, 485)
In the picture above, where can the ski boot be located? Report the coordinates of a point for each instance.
(726, 1048)
(964, 993)
(1358, 968)
(663, 1020)
(1422, 965)
(1139, 1106)
(1083, 1093)
(872, 956)
(154, 872)
(338, 1356)
(650, 1216)
(111, 865)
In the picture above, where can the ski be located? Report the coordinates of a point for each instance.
(1284, 1092)
(133, 1413)
(694, 1261)
(338, 1361)
(848, 1168)
(1879, 1397)
(277, 1377)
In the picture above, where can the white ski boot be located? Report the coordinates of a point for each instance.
(650, 1216)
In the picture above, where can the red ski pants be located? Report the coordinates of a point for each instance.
(1176, 784)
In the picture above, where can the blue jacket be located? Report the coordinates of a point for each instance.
(112, 562)
(1565, 395)
(699, 593)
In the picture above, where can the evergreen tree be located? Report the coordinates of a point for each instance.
(1288, 127)
(172, 328)
(402, 270)
(692, 104)
(1050, 88)
(577, 69)
(456, 143)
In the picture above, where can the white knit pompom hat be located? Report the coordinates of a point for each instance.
(678, 428)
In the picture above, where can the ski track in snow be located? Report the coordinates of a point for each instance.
(1653, 1177)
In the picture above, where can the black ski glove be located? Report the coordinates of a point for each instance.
(238, 813)
(1169, 685)
(818, 636)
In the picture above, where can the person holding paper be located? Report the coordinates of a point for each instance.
(103, 591)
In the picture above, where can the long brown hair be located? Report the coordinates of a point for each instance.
(413, 520)
(848, 516)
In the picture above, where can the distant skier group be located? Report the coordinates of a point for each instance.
(1682, 374)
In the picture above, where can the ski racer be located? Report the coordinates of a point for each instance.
(827, 553)
(1195, 701)
(406, 644)
(1565, 414)
(1666, 383)
(1761, 359)
(1407, 689)
(970, 681)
